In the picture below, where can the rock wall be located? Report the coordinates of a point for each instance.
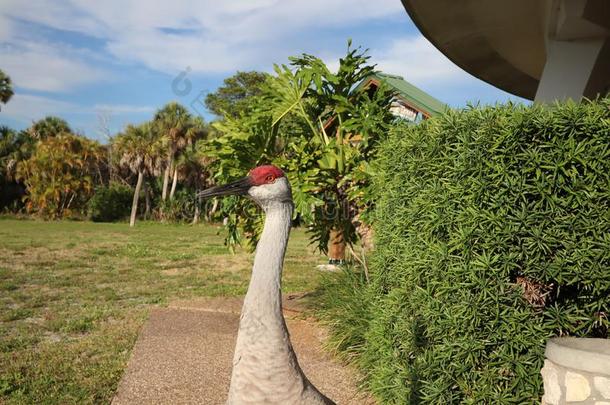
(563, 385)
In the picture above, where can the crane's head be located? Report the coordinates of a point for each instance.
(264, 184)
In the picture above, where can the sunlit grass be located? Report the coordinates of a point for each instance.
(73, 296)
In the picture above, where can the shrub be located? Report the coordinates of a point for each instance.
(60, 174)
(110, 203)
(180, 208)
(493, 235)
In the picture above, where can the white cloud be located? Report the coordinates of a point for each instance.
(172, 53)
(122, 108)
(5, 28)
(47, 67)
(207, 35)
(56, 14)
(418, 61)
(27, 108)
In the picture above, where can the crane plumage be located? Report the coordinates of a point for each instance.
(265, 366)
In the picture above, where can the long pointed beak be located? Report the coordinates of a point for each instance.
(239, 187)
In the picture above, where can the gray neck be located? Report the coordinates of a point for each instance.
(265, 367)
(263, 299)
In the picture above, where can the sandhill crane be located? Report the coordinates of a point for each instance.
(265, 367)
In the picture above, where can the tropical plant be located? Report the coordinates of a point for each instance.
(139, 149)
(61, 174)
(244, 143)
(346, 123)
(322, 130)
(172, 121)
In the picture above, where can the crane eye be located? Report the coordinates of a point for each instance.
(269, 178)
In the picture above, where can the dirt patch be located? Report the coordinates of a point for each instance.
(37, 257)
(52, 337)
(174, 272)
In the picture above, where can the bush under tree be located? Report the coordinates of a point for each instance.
(110, 203)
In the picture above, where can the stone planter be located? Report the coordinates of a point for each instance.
(577, 371)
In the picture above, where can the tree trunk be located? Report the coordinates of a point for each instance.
(147, 199)
(213, 210)
(134, 204)
(170, 164)
(165, 183)
(174, 181)
(336, 247)
(197, 209)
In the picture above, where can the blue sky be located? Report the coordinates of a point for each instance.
(101, 65)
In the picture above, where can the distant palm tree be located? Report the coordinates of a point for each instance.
(6, 88)
(139, 149)
(193, 168)
(197, 129)
(24, 143)
(14, 149)
(172, 121)
(48, 127)
(9, 152)
(7, 139)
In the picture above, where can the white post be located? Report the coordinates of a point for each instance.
(577, 51)
(568, 67)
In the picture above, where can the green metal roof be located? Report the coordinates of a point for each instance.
(411, 94)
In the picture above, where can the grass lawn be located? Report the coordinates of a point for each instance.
(73, 296)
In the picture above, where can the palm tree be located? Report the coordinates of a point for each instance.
(14, 149)
(139, 148)
(7, 148)
(10, 148)
(172, 121)
(197, 129)
(6, 88)
(48, 127)
(193, 168)
(24, 143)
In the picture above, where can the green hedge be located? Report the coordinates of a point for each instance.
(493, 235)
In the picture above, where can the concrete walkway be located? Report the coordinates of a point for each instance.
(184, 353)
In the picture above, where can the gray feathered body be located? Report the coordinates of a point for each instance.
(265, 367)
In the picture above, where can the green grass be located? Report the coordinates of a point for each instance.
(73, 296)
